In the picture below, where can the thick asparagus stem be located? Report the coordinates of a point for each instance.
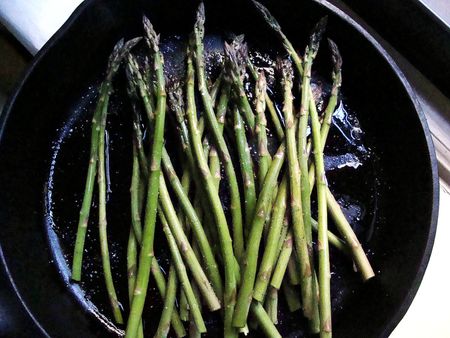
(264, 320)
(116, 57)
(182, 274)
(186, 249)
(251, 254)
(246, 165)
(273, 238)
(169, 304)
(310, 309)
(272, 305)
(217, 137)
(215, 204)
(146, 253)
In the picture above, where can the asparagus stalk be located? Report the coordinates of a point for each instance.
(322, 238)
(292, 298)
(160, 281)
(182, 274)
(169, 304)
(251, 255)
(146, 253)
(273, 238)
(236, 55)
(186, 248)
(282, 263)
(116, 57)
(310, 54)
(214, 202)
(310, 309)
(217, 137)
(246, 165)
(272, 305)
(264, 320)
(279, 131)
(260, 129)
(214, 163)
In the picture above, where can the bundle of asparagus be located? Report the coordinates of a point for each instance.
(273, 217)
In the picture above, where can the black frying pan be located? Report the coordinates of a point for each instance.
(403, 218)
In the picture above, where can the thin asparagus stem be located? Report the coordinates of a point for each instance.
(207, 254)
(146, 253)
(260, 129)
(131, 271)
(169, 304)
(214, 202)
(282, 263)
(246, 165)
(160, 281)
(264, 321)
(322, 237)
(186, 248)
(236, 55)
(194, 306)
(310, 308)
(279, 130)
(251, 255)
(217, 137)
(116, 57)
(273, 238)
(214, 163)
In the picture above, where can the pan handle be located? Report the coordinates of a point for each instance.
(33, 22)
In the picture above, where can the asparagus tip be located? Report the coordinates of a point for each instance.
(317, 33)
(151, 37)
(335, 55)
(120, 50)
(199, 27)
(176, 97)
(285, 67)
(267, 16)
(236, 54)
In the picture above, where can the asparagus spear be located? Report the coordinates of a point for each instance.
(182, 274)
(146, 253)
(283, 260)
(273, 238)
(236, 55)
(264, 320)
(279, 131)
(214, 202)
(310, 54)
(169, 304)
(310, 309)
(116, 57)
(322, 238)
(217, 137)
(185, 247)
(245, 162)
(251, 254)
(260, 129)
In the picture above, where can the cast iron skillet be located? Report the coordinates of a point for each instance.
(405, 222)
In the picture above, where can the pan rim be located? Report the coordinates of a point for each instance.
(344, 13)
